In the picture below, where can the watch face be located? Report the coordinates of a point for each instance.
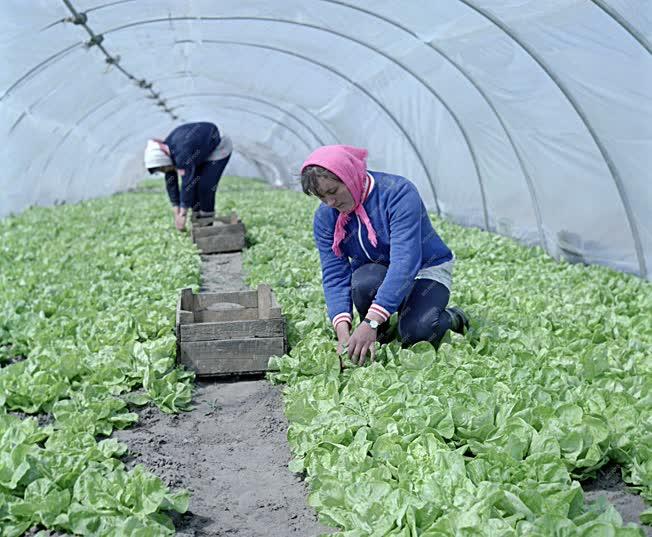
(372, 323)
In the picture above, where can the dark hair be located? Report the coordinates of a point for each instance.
(152, 170)
(311, 174)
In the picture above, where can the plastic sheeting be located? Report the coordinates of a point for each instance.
(530, 119)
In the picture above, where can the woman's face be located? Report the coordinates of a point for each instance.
(335, 194)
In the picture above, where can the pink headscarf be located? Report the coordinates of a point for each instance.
(350, 165)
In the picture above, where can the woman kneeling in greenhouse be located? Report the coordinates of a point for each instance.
(378, 249)
(199, 154)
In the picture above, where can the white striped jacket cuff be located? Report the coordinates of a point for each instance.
(380, 311)
(342, 318)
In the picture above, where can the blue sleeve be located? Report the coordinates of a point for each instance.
(335, 271)
(405, 209)
(172, 186)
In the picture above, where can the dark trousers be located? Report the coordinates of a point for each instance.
(422, 315)
(209, 174)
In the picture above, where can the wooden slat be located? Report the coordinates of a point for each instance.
(248, 299)
(232, 330)
(178, 320)
(184, 303)
(264, 301)
(275, 310)
(231, 356)
(200, 222)
(244, 314)
(186, 299)
(207, 231)
(229, 219)
(220, 244)
(185, 317)
(218, 229)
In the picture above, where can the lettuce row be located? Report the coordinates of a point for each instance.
(87, 314)
(488, 436)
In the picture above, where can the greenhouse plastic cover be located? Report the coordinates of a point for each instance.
(529, 118)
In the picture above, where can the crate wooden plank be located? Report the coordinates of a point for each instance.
(186, 299)
(221, 230)
(185, 317)
(264, 301)
(230, 356)
(243, 314)
(248, 299)
(199, 222)
(206, 231)
(211, 221)
(184, 308)
(220, 244)
(218, 229)
(261, 328)
(275, 310)
(229, 219)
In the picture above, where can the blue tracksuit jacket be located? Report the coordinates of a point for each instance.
(190, 145)
(407, 242)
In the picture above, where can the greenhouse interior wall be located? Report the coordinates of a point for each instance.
(528, 119)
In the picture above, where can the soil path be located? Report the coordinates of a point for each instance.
(231, 451)
(609, 483)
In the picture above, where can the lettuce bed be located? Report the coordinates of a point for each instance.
(88, 295)
(487, 437)
(490, 435)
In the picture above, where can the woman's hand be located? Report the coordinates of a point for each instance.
(362, 340)
(343, 332)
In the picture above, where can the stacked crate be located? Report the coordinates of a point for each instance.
(216, 235)
(229, 333)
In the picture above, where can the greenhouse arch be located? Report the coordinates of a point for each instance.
(435, 71)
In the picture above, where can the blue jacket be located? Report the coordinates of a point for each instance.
(190, 145)
(407, 242)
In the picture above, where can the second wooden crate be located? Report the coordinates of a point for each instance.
(222, 234)
(229, 333)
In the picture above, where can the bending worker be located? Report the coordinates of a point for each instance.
(198, 154)
(379, 252)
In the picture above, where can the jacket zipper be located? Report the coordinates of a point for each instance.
(360, 238)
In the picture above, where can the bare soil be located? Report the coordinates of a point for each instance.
(609, 483)
(231, 451)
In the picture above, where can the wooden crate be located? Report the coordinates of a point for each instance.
(207, 221)
(229, 333)
(224, 234)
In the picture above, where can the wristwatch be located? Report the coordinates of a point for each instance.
(371, 322)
